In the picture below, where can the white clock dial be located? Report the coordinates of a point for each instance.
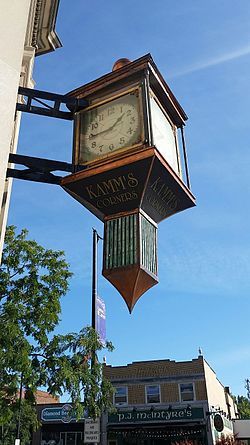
(110, 127)
(164, 135)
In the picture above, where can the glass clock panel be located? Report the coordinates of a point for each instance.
(109, 127)
(164, 137)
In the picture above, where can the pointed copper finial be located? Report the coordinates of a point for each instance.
(131, 282)
(120, 63)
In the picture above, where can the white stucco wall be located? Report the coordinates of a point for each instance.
(242, 428)
(216, 392)
(13, 24)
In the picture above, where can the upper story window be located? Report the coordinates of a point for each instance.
(186, 392)
(153, 394)
(121, 395)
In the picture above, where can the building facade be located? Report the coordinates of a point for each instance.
(168, 402)
(161, 402)
(27, 29)
(58, 427)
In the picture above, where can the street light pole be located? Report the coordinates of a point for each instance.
(96, 238)
(94, 278)
(17, 440)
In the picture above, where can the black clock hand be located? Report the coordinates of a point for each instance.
(108, 129)
(118, 120)
(97, 134)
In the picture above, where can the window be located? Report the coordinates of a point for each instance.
(120, 395)
(153, 394)
(186, 392)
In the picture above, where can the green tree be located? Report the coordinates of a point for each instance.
(243, 405)
(32, 282)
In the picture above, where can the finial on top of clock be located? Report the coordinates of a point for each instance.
(120, 63)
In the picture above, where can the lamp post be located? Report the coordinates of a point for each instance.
(17, 440)
(96, 238)
(94, 278)
(18, 430)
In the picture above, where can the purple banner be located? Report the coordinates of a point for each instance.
(101, 319)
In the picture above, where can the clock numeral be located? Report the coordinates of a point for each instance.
(122, 140)
(121, 108)
(111, 147)
(132, 120)
(130, 130)
(100, 148)
(93, 145)
(111, 110)
(100, 117)
(95, 125)
(129, 112)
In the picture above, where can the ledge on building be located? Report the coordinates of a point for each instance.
(45, 38)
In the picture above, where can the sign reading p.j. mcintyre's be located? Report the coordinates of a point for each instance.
(156, 415)
(58, 414)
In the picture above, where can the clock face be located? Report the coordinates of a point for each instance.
(109, 127)
(164, 136)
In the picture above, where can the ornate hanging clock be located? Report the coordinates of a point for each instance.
(130, 168)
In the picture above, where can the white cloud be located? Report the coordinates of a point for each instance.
(240, 52)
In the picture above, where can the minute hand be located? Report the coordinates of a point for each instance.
(108, 129)
(116, 122)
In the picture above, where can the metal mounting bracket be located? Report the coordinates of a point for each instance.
(72, 103)
(39, 170)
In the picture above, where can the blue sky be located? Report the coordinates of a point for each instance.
(202, 300)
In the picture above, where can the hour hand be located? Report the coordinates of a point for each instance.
(107, 129)
(100, 132)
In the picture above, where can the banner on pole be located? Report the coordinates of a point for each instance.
(101, 319)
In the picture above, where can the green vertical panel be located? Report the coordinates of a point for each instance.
(123, 241)
(136, 235)
(115, 242)
(148, 245)
(111, 245)
(131, 239)
(106, 246)
(119, 244)
(141, 241)
(127, 240)
(150, 250)
(106, 249)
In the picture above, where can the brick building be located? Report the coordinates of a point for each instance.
(165, 401)
(161, 402)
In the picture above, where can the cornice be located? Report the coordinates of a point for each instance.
(44, 36)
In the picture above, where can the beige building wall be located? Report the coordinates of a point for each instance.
(216, 392)
(26, 30)
(13, 26)
(134, 376)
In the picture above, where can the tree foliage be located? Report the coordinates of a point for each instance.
(32, 281)
(243, 405)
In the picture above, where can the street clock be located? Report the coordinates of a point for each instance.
(130, 168)
(109, 127)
